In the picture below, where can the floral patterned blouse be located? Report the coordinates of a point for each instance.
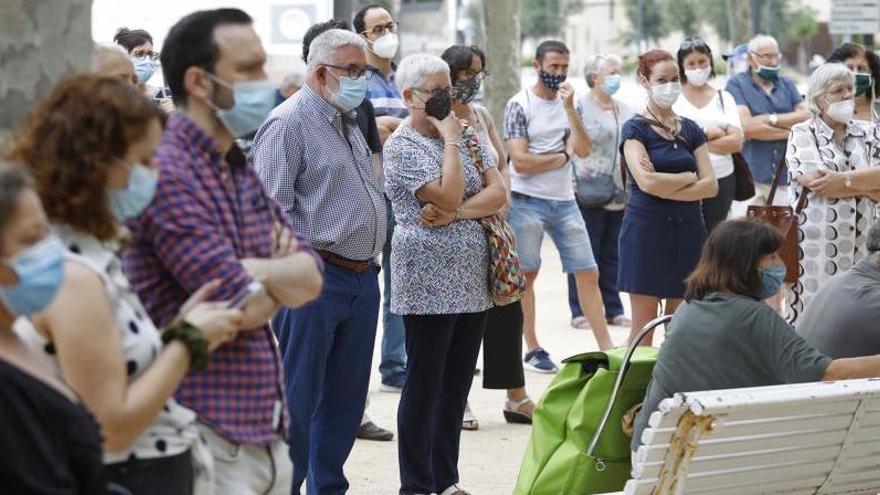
(443, 270)
(831, 231)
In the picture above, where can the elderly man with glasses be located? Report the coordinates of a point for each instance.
(315, 162)
(769, 105)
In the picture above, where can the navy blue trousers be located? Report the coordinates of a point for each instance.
(604, 229)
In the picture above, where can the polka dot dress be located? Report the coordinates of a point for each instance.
(173, 432)
(831, 232)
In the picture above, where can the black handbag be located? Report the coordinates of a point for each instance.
(599, 188)
(745, 183)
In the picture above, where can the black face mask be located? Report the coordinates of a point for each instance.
(551, 81)
(439, 105)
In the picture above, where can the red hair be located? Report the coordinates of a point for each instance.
(649, 59)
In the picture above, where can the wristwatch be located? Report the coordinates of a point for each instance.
(773, 119)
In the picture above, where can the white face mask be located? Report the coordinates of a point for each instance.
(698, 77)
(841, 111)
(386, 46)
(664, 95)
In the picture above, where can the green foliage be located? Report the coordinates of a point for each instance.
(545, 18)
(681, 15)
(652, 20)
(803, 24)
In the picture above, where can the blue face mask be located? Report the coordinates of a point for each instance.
(253, 102)
(144, 68)
(611, 84)
(772, 279)
(351, 92)
(40, 271)
(138, 193)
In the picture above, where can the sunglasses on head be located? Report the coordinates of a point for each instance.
(693, 42)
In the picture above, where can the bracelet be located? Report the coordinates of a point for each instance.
(451, 144)
(567, 157)
(191, 336)
(457, 214)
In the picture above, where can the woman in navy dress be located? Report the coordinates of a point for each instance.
(670, 173)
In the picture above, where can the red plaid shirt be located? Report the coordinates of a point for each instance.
(209, 212)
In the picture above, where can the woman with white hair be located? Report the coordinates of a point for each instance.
(599, 184)
(827, 158)
(441, 181)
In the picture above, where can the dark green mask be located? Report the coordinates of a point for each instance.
(863, 83)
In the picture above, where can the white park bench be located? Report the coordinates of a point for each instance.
(811, 438)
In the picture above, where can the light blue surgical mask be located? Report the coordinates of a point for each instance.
(138, 193)
(40, 271)
(611, 84)
(351, 92)
(253, 102)
(772, 279)
(144, 67)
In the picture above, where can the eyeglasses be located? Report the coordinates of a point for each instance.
(693, 42)
(438, 92)
(354, 72)
(381, 29)
(767, 56)
(145, 54)
(477, 76)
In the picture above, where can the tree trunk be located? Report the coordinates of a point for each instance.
(501, 19)
(41, 41)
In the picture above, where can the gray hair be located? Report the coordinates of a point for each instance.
(596, 65)
(758, 40)
(414, 68)
(821, 81)
(102, 52)
(323, 47)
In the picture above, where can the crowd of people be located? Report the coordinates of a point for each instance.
(190, 294)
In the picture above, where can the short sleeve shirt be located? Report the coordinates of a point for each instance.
(545, 125)
(672, 157)
(441, 270)
(385, 97)
(764, 156)
(728, 341)
(605, 130)
(720, 111)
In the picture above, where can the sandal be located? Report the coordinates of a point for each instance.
(469, 421)
(519, 412)
(580, 323)
(455, 490)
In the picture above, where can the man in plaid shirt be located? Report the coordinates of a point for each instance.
(212, 220)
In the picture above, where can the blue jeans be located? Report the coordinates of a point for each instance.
(393, 362)
(327, 348)
(604, 228)
(530, 217)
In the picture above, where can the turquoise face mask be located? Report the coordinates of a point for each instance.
(138, 194)
(768, 73)
(351, 92)
(862, 83)
(40, 271)
(144, 67)
(253, 102)
(772, 279)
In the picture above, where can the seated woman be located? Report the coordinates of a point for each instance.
(726, 337)
(89, 146)
(52, 442)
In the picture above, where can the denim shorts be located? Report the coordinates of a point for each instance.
(531, 216)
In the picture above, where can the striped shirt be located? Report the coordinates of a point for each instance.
(315, 163)
(385, 97)
(210, 211)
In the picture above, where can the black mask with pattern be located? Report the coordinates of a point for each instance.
(439, 105)
(551, 81)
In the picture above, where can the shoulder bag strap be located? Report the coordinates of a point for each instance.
(624, 367)
(776, 178)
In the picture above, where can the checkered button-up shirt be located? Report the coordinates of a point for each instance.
(210, 211)
(316, 164)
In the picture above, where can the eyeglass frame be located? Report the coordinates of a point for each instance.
(692, 43)
(477, 76)
(366, 72)
(141, 54)
(392, 27)
(452, 91)
(766, 56)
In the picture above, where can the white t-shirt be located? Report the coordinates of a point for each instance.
(712, 115)
(545, 124)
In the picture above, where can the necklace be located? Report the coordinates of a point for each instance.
(672, 131)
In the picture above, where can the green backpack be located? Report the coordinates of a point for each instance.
(565, 456)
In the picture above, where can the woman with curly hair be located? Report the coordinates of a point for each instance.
(89, 147)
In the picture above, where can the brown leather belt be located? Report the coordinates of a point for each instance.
(344, 263)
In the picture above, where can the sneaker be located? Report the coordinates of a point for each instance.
(393, 385)
(370, 431)
(539, 361)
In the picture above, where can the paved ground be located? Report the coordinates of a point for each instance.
(490, 457)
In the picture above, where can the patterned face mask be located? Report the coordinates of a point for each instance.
(467, 89)
(551, 81)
